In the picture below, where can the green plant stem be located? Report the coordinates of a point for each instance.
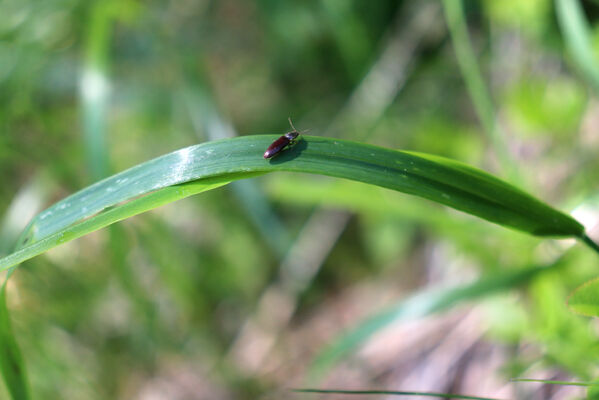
(589, 242)
(563, 383)
(395, 393)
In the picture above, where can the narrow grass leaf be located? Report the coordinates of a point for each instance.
(394, 393)
(575, 29)
(585, 299)
(420, 305)
(477, 89)
(435, 178)
(551, 382)
(11, 360)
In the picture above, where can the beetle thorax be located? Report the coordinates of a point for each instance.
(292, 135)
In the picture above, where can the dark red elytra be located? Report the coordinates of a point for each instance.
(285, 140)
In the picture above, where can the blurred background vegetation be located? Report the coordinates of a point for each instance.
(246, 291)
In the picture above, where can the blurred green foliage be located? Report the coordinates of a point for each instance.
(154, 305)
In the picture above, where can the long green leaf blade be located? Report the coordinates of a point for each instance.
(435, 178)
(12, 367)
(394, 393)
(554, 382)
(577, 36)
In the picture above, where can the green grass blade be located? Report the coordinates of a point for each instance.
(435, 178)
(585, 299)
(577, 36)
(94, 89)
(394, 393)
(589, 242)
(477, 89)
(420, 305)
(552, 382)
(12, 367)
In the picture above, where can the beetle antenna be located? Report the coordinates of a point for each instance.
(295, 130)
(291, 123)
